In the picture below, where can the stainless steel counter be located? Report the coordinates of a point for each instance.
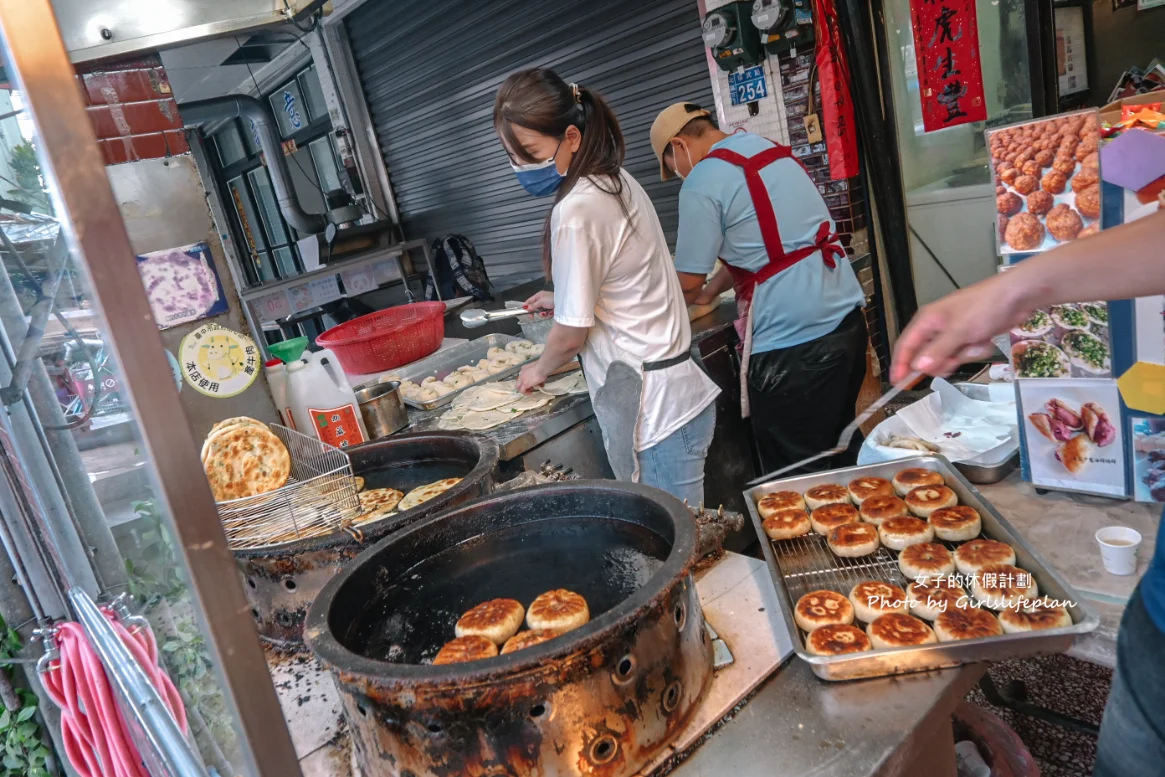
(799, 726)
(525, 432)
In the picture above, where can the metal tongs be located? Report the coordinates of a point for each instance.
(476, 317)
(847, 434)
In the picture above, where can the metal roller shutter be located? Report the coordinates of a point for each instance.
(430, 68)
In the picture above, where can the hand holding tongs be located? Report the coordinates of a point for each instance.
(475, 317)
(847, 434)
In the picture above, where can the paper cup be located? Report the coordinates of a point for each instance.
(1118, 549)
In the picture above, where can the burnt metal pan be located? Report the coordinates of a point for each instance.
(281, 581)
(601, 699)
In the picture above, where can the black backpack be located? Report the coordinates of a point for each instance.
(459, 271)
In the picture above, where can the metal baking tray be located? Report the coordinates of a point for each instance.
(806, 564)
(444, 362)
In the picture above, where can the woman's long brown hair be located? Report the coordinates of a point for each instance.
(539, 100)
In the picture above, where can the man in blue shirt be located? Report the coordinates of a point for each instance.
(746, 201)
(1116, 264)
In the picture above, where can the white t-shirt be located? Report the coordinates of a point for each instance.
(614, 275)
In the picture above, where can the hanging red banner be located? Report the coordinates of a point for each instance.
(837, 109)
(950, 76)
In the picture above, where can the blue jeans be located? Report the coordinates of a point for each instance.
(1132, 731)
(676, 464)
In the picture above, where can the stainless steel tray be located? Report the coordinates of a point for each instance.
(806, 564)
(444, 362)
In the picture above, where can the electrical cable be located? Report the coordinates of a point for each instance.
(918, 237)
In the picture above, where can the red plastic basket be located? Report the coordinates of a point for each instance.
(387, 338)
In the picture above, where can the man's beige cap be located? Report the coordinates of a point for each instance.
(666, 126)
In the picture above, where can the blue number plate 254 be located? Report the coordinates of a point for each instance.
(748, 86)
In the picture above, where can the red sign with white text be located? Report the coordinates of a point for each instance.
(950, 77)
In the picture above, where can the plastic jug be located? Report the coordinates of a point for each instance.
(321, 401)
(276, 374)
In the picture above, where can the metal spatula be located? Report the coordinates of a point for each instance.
(847, 434)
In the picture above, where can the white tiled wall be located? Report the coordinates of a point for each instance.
(770, 120)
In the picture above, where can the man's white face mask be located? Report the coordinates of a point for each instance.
(690, 165)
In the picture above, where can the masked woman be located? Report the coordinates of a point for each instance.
(617, 302)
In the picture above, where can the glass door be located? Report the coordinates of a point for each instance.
(105, 500)
(950, 201)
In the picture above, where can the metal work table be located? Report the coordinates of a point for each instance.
(797, 725)
(525, 432)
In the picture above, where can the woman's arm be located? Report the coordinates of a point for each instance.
(562, 345)
(1119, 263)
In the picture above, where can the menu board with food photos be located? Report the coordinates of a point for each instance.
(1073, 434)
(1047, 181)
(1063, 341)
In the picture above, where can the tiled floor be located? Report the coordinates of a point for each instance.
(1062, 684)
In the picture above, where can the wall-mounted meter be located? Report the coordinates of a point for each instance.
(783, 24)
(730, 35)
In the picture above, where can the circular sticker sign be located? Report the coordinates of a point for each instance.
(217, 361)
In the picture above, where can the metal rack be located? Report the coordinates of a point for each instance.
(804, 564)
(318, 499)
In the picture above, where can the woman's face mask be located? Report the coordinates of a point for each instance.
(541, 178)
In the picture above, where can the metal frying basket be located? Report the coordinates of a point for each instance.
(320, 495)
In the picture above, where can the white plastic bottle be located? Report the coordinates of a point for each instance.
(276, 374)
(321, 401)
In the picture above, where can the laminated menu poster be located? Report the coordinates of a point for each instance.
(182, 285)
(1073, 434)
(1063, 341)
(1047, 181)
(1148, 458)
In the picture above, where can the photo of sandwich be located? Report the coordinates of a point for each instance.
(1072, 440)
(1063, 341)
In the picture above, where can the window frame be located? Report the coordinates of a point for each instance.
(317, 127)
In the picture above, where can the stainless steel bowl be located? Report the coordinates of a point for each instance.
(382, 409)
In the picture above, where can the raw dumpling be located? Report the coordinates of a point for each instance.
(496, 366)
(441, 388)
(517, 346)
(429, 380)
(478, 375)
(483, 364)
(426, 394)
(494, 353)
(536, 349)
(458, 380)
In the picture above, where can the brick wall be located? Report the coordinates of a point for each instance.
(132, 110)
(780, 117)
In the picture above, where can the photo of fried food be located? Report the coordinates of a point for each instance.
(1054, 182)
(1088, 201)
(1040, 202)
(1024, 232)
(1064, 223)
(1009, 204)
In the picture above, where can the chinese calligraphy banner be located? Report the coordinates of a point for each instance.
(950, 77)
(841, 138)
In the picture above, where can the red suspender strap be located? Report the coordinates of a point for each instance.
(766, 217)
(826, 242)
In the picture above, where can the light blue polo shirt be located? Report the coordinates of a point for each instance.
(717, 219)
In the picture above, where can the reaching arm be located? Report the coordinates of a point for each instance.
(1127, 261)
(717, 285)
(562, 345)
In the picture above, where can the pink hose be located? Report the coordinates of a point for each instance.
(96, 739)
